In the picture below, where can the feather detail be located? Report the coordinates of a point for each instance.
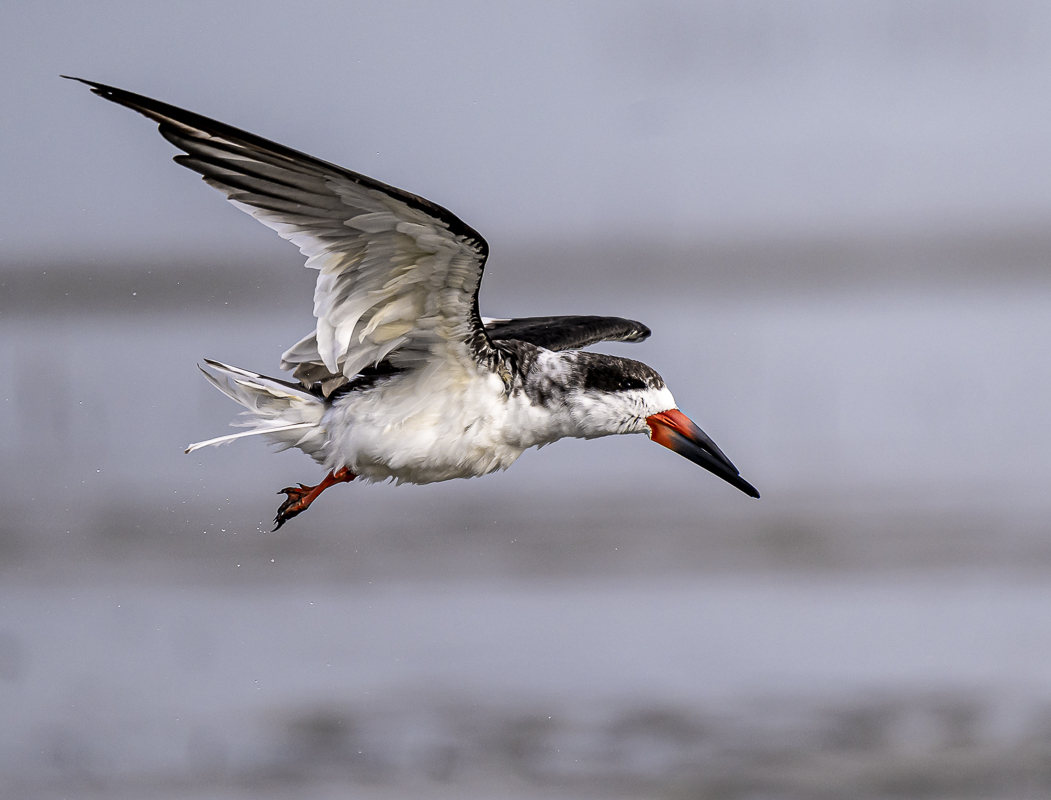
(393, 267)
(566, 333)
(258, 431)
(272, 407)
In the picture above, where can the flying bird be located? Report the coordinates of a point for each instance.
(402, 378)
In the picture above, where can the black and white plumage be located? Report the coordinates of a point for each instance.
(401, 378)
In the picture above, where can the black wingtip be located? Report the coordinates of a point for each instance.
(643, 333)
(196, 125)
(111, 93)
(97, 88)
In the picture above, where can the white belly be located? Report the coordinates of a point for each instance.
(422, 431)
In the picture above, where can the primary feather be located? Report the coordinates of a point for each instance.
(398, 275)
(567, 333)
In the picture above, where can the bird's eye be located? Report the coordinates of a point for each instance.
(632, 383)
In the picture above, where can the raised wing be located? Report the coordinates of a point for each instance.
(398, 275)
(567, 333)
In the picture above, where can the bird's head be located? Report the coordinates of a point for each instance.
(609, 395)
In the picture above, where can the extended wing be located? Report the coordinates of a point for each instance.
(567, 333)
(398, 275)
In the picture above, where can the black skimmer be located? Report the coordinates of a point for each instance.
(402, 379)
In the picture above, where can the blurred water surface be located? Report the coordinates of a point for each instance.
(604, 619)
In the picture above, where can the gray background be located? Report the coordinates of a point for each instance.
(835, 217)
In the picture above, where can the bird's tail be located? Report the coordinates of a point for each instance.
(288, 415)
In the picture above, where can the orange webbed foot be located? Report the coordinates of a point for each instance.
(298, 499)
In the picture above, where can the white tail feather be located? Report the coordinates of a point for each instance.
(229, 438)
(273, 408)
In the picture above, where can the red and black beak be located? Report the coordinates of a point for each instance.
(676, 431)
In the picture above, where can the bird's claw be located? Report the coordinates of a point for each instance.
(295, 503)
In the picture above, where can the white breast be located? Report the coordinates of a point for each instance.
(429, 426)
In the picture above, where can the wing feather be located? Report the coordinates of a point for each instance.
(567, 333)
(398, 275)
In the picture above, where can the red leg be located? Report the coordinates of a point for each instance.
(299, 499)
